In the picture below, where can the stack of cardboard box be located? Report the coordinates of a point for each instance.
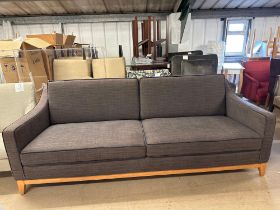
(22, 61)
(43, 57)
(58, 48)
(31, 59)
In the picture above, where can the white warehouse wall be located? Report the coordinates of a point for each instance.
(199, 31)
(23, 30)
(263, 25)
(1, 32)
(108, 35)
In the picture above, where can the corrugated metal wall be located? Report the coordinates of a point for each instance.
(22, 30)
(263, 25)
(108, 35)
(105, 35)
(199, 31)
(1, 32)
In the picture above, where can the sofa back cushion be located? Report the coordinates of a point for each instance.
(182, 96)
(93, 100)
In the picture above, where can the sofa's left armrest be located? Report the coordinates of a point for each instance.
(254, 117)
(17, 135)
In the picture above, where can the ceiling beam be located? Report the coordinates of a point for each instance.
(224, 13)
(177, 5)
(81, 18)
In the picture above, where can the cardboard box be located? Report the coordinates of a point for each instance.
(27, 66)
(14, 70)
(11, 76)
(48, 57)
(68, 41)
(31, 43)
(48, 54)
(108, 68)
(57, 52)
(29, 52)
(71, 68)
(9, 70)
(52, 39)
(35, 63)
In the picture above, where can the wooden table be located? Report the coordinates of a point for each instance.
(234, 69)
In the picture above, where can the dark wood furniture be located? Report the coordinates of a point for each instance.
(152, 66)
(149, 44)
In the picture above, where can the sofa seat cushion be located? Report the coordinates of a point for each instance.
(197, 135)
(90, 141)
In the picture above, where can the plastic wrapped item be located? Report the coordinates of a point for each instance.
(16, 100)
(217, 48)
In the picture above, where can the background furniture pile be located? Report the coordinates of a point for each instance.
(42, 57)
(148, 44)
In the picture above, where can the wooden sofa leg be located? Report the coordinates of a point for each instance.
(21, 187)
(262, 169)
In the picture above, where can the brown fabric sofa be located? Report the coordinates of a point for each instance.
(121, 128)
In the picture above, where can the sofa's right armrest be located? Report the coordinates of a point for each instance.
(17, 135)
(254, 117)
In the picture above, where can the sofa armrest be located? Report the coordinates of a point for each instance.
(17, 135)
(254, 117)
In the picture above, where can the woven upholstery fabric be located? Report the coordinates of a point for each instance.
(198, 135)
(140, 165)
(182, 96)
(205, 125)
(76, 142)
(93, 100)
(254, 117)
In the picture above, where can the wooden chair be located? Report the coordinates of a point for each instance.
(273, 44)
